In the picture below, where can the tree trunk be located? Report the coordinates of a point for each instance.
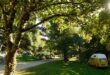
(10, 64)
(65, 52)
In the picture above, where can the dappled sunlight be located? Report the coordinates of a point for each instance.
(73, 59)
(68, 71)
(24, 73)
(62, 68)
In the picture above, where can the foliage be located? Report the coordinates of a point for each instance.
(25, 42)
(64, 36)
(18, 16)
(104, 25)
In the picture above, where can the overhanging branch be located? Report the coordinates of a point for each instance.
(46, 19)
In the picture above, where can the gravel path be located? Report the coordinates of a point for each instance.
(25, 65)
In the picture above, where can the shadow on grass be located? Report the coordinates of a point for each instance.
(61, 68)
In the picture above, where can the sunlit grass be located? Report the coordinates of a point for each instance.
(61, 68)
(73, 59)
(31, 58)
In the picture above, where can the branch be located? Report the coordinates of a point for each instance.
(12, 14)
(46, 19)
(13, 11)
(33, 8)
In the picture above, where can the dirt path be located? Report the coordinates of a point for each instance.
(25, 65)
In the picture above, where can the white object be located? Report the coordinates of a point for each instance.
(98, 55)
(43, 33)
(44, 37)
(40, 26)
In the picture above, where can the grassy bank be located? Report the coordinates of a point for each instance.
(61, 68)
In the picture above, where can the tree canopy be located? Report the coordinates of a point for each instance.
(19, 16)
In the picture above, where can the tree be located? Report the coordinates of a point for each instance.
(64, 36)
(18, 16)
(64, 43)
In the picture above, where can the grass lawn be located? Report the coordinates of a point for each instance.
(61, 68)
(27, 59)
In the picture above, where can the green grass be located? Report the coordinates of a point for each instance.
(61, 68)
(26, 59)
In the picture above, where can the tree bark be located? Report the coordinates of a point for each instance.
(10, 64)
(12, 47)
